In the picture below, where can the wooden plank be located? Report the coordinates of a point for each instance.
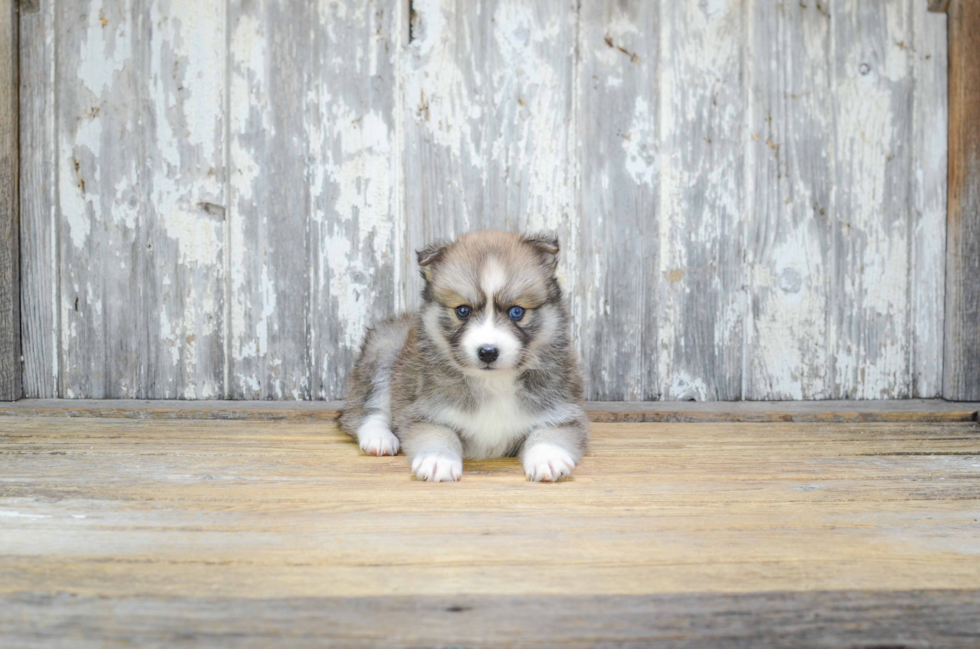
(871, 240)
(929, 178)
(928, 618)
(268, 246)
(444, 111)
(355, 167)
(183, 187)
(38, 204)
(961, 365)
(702, 166)
(909, 410)
(10, 365)
(268, 510)
(527, 65)
(789, 214)
(487, 115)
(99, 66)
(616, 282)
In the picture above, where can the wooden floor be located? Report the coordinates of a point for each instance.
(119, 532)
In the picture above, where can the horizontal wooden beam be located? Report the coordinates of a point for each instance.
(961, 358)
(923, 410)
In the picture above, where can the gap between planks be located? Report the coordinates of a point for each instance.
(911, 410)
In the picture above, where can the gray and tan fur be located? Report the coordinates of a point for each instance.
(445, 384)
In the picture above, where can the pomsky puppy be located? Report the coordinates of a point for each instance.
(484, 369)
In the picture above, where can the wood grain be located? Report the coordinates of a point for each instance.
(40, 313)
(99, 68)
(961, 366)
(789, 202)
(617, 272)
(750, 196)
(702, 129)
(356, 211)
(156, 518)
(927, 277)
(921, 618)
(183, 187)
(269, 246)
(10, 365)
(871, 227)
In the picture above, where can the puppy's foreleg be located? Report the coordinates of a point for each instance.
(375, 437)
(550, 453)
(435, 452)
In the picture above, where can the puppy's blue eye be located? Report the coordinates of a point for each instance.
(516, 313)
(463, 312)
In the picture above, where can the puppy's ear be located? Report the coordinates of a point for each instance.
(430, 255)
(546, 245)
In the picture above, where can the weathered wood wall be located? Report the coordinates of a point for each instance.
(220, 195)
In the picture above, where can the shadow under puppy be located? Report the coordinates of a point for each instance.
(484, 369)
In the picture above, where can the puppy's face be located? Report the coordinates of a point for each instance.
(491, 299)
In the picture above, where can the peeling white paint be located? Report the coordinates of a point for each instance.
(348, 287)
(79, 205)
(871, 349)
(492, 110)
(200, 238)
(700, 189)
(640, 145)
(438, 96)
(106, 47)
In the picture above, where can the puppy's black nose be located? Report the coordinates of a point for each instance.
(488, 354)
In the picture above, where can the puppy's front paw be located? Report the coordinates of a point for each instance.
(547, 463)
(437, 468)
(375, 438)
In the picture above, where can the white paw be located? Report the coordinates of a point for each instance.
(437, 468)
(547, 463)
(376, 438)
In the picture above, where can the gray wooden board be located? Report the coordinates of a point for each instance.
(355, 189)
(790, 184)
(616, 271)
(961, 378)
(908, 619)
(100, 207)
(871, 225)
(40, 315)
(929, 175)
(750, 196)
(183, 191)
(701, 306)
(10, 366)
(269, 244)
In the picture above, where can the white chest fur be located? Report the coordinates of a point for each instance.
(492, 428)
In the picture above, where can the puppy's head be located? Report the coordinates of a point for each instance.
(491, 300)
